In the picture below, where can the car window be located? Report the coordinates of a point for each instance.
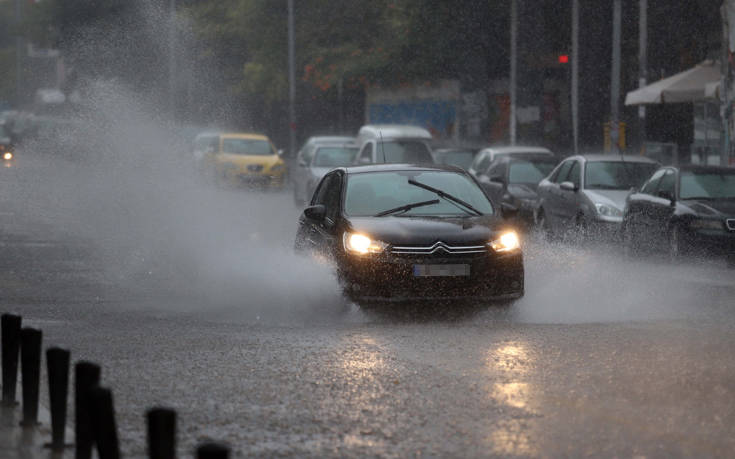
(366, 155)
(650, 186)
(529, 172)
(707, 184)
(561, 173)
(309, 154)
(482, 162)
(616, 175)
(334, 156)
(255, 147)
(495, 170)
(320, 195)
(461, 159)
(667, 182)
(370, 193)
(332, 194)
(404, 151)
(574, 175)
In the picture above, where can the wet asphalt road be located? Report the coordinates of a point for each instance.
(189, 297)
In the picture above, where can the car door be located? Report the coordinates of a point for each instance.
(570, 201)
(329, 195)
(551, 194)
(638, 217)
(662, 206)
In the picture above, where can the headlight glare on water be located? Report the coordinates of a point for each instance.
(507, 242)
(361, 244)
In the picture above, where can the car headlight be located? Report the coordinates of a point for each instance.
(507, 242)
(361, 244)
(607, 210)
(702, 223)
(8, 156)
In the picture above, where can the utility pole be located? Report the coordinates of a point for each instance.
(642, 64)
(172, 59)
(615, 79)
(291, 82)
(18, 54)
(575, 75)
(513, 67)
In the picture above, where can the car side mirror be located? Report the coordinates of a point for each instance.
(302, 163)
(316, 213)
(666, 195)
(568, 186)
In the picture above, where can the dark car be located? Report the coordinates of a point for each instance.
(685, 210)
(460, 157)
(405, 232)
(511, 183)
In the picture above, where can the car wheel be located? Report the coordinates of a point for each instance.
(675, 243)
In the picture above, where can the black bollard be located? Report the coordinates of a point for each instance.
(86, 377)
(11, 346)
(161, 433)
(57, 367)
(103, 424)
(213, 451)
(30, 368)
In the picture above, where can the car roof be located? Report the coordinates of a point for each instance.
(527, 158)
(392, 131)
(319, 146)
(455, 150)
(616, 158)
(243, 135)
(706, 168)
(329, 139)
(391, 167)
(517, 149)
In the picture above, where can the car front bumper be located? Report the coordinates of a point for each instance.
(390, 277)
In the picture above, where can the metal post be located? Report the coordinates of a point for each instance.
(57, 365)
(213, 451)
(86, 377)
(10, 349)
(291, 82)
(30, 369)
(172, 58)
(642, 65)
(575, 75)
(18, 54)
(103, 423)
(725, 114)
(161, 433)
(615, 79)
(513, 67)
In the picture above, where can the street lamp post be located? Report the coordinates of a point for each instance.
(513, 67)
(615, 79)
(291, 82)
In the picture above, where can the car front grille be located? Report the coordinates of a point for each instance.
(730, 224)
(255, 167)
(438, 247)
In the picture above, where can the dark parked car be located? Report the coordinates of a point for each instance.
(685, 210)
(586, 193)
(460, 157)
(405, 232)
(511, 183)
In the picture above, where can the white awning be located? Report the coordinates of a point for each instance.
(688, 86)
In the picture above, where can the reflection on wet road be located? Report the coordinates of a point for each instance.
(195, 301)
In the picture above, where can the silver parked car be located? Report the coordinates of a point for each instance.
(587, 193)
(485, 157)
(312, 164)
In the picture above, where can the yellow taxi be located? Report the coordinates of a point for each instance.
(241, 158)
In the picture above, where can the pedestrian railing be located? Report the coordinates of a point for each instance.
(94, 426)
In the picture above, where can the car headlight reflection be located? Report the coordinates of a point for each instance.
(361, 244)
(607, 210)
(8, 156)
(706, 224)
(507, 242)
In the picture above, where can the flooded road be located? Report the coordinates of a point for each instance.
(189, 297)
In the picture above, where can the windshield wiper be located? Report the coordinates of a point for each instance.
(445, 195)
(406, 207)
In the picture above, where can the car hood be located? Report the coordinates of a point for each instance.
(523, 190)
(615, 198)
(244, 160)
(713, 208)
(425, 231)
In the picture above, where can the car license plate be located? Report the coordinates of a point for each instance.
(445, 270)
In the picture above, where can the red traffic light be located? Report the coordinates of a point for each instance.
(564, 58)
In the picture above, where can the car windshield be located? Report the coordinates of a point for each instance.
(404, 151)
(461, 159)
(370, 193)
(712, 185)
(529, 172)
(334, 156)
(616, 175)
(255, 147)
